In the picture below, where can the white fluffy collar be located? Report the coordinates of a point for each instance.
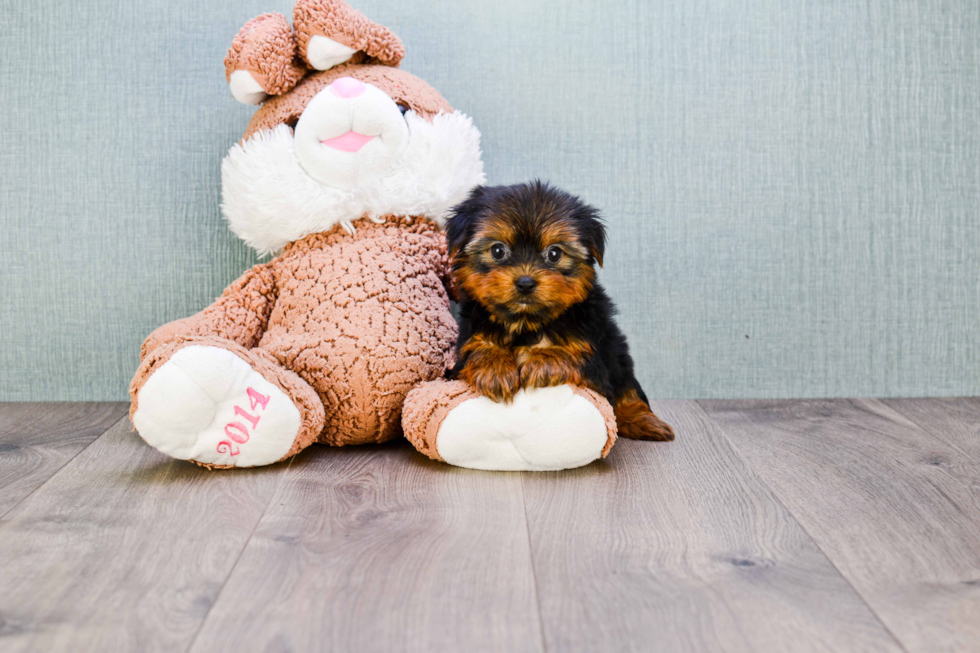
(270, 201)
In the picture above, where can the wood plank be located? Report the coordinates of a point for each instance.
(124, 549)
(380, 549)
(954, 420)
(865, 484)
(36, 440)
(680, 547)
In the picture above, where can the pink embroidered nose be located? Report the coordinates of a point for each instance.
(347, 87)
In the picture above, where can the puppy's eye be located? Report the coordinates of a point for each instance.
(498, 251)
(554, 254)
(404, 108)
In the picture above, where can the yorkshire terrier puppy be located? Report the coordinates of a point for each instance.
(531, 311)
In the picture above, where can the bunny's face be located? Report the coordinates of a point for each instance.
(350, 133)
(361, 138)
(351, 123)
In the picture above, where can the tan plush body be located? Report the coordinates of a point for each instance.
(346, 174)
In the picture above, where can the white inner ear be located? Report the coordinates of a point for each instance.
(324, 53)
(245, 89)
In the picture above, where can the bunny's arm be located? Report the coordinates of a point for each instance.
(240, 314)
(442, 266)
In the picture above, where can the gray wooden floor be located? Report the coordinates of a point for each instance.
(817, 525)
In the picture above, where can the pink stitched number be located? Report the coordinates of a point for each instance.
(258, 398)
(241, 437)
(225, 447)
(254, 419)
(236, 430)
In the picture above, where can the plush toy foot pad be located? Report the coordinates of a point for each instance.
(208, 405)
(543, 429)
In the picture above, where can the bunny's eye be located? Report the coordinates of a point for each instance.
(404, 108)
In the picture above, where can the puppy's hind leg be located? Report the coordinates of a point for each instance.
(637, 422)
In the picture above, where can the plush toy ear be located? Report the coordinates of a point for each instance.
(262, 60)
(463, 221)
(330, 32)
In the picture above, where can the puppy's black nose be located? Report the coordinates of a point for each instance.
(525, 285)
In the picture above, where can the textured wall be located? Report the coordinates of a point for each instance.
(792, 188)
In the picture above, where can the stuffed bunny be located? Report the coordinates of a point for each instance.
(345, 174)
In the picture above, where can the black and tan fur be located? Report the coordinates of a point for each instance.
(532, 313)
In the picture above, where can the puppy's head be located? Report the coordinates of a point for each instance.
(526, 252)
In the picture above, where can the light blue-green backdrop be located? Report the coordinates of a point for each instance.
(792, 188)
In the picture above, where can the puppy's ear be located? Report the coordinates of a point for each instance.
(462, 223)
(593, 232)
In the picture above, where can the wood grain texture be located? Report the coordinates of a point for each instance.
(36, 440)
(955, 421)
(896, 509)
(124, 549)
(379, 549)
(679, 547)
(817, 525)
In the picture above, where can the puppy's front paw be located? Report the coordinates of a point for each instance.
(493, 374)
(546, 367)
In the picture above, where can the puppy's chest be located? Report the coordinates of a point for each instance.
(523, 351)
